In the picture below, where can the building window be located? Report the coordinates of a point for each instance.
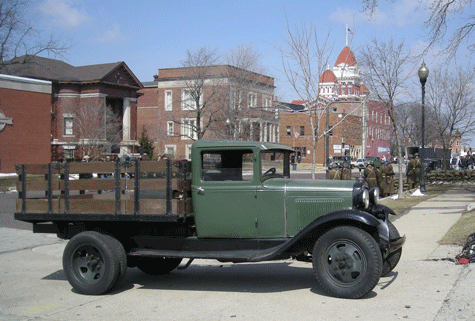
(170, 151)
(235, 99)
(68, 125)
(288, 131)
(187, 102)
(168, 100)
(188, 129)
(188, 151)
(266, 103)
(302, 130)
(68, 153)
(170, 128)
(251, 100)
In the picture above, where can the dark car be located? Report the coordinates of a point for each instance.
(431, 165)
(340, 160)
(371, 160)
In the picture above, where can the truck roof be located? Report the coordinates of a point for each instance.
(219, 143)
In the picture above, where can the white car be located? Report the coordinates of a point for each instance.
(359, 163)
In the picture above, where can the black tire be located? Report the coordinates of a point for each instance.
(392, 260)
(91, 262)
(157, 265)
(347, 262)
(122, 257)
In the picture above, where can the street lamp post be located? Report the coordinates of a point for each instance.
(423, 73)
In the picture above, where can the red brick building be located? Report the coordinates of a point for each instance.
(360, 127)
(345, 134)
(84, 102)
(233, 103)
(25, 122)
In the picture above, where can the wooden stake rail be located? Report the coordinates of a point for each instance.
(132, 187)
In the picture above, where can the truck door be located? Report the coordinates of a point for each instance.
(225, 197)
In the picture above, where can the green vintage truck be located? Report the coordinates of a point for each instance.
(234, 202)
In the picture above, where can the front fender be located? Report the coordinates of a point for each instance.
(353, 217)
(312, 231)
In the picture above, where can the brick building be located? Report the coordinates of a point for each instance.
(25, 122)
(92, 109)
(360, 127)
(344, 138)
(185, 104)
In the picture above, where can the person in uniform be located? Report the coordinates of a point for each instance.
(417, 170)
(410, 172)
(387, 179)
(334, 173)
(345, 172)
(370, 176)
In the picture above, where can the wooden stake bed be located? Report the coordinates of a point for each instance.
(135, 190)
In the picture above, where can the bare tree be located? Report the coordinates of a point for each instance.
(451, 98)
(19, 37)
(385, 70)
(198, 103)
(304, 59)
(97, 128)
(245, 74)
(441, 26)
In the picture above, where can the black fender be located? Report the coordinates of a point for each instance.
(381, 211)
(307, 236)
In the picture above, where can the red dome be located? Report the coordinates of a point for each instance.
(346, 56)
(328, 76)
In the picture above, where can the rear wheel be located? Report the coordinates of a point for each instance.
(347, 262)
(157, 265)
(122, 257)
(91, 262)
(392, 260)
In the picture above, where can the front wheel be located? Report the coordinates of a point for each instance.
(392, 260)
(347, 262)
(91, 262)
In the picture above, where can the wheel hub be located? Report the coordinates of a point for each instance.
(345, 262)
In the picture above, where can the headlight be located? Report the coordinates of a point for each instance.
(361, 199)
(374, 196)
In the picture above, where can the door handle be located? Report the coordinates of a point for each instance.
(200, 190)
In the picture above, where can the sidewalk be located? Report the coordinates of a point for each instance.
(424, 286)
(424, 225)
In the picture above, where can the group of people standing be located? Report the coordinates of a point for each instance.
(466, 162)
(413, 171)
(339, 171)
(381, 176)
(376, 175)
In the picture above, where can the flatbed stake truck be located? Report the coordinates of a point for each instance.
(234, 202)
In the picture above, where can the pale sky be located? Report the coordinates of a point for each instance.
(152, 34)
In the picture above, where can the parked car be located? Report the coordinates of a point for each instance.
(359, 163)
(372, 160)
(431, 165)
(340, 160)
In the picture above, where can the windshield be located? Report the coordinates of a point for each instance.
(274, 164)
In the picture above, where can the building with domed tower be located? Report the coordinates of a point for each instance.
(359, 127)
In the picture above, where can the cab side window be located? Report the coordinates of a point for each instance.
(227, 165)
